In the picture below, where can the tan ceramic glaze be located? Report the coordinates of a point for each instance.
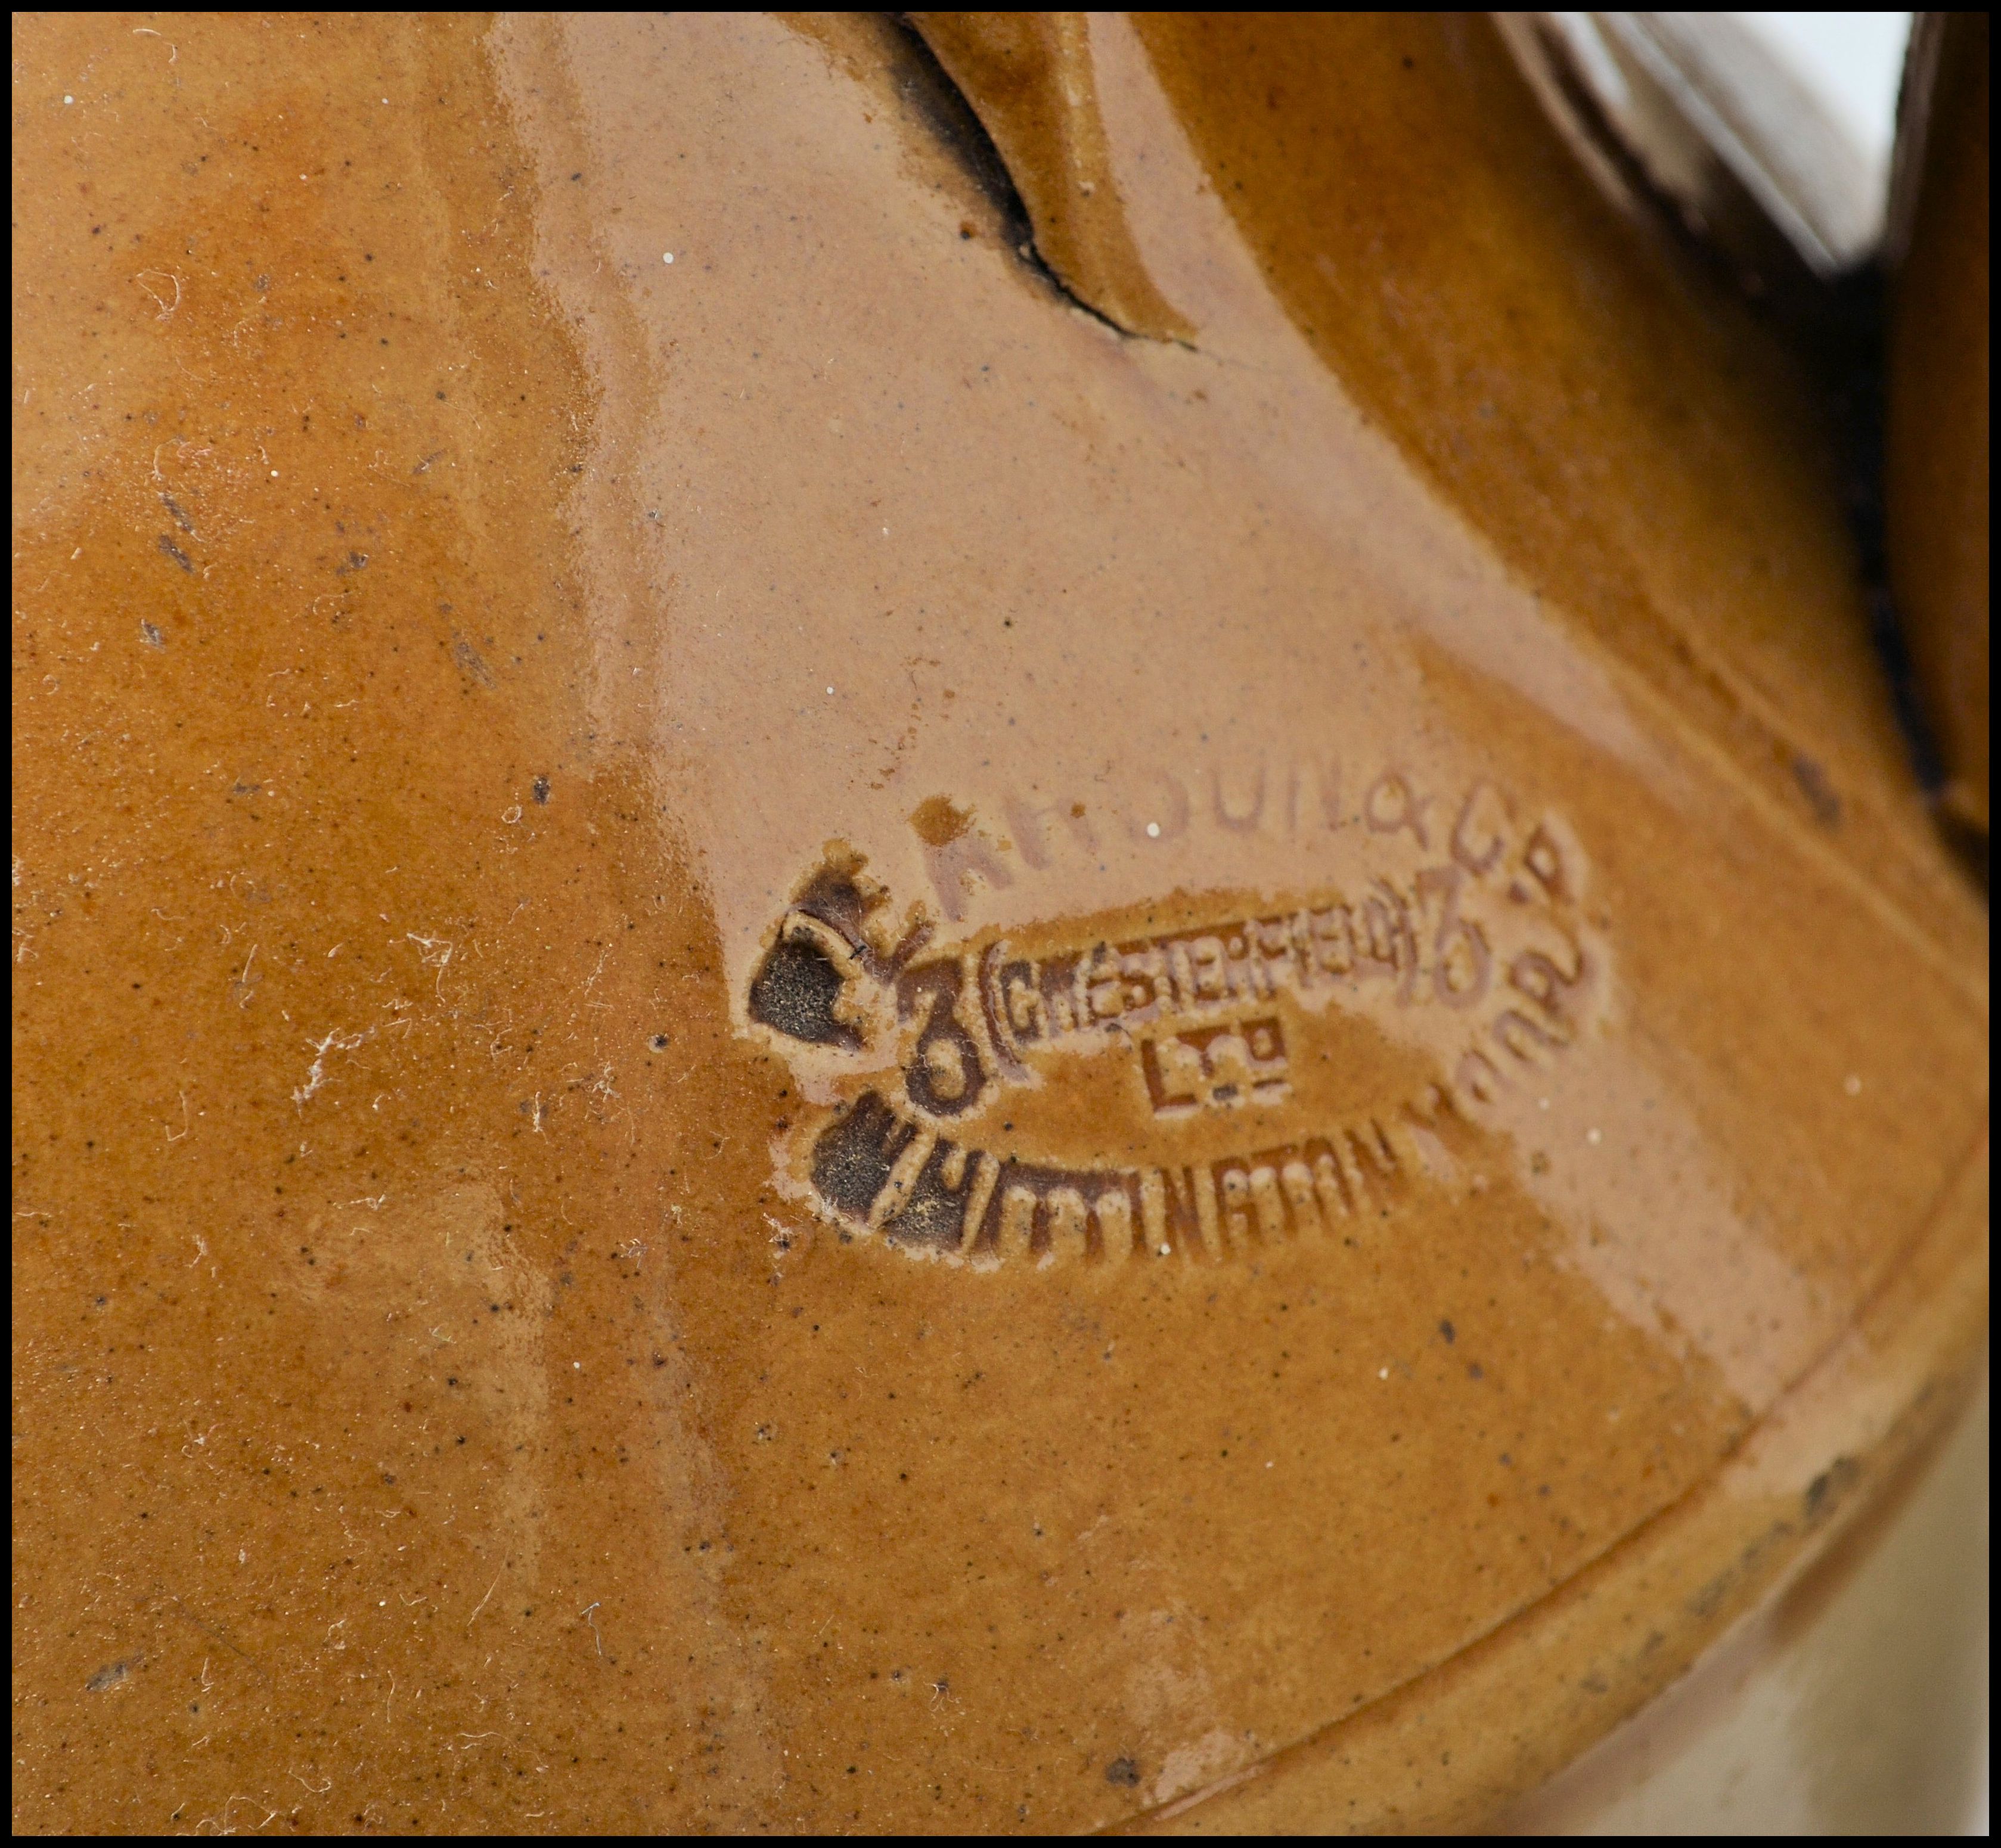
(1936, 479)
(1032, 79)
(799, 1045)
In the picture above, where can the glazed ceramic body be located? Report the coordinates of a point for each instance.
(853, 993)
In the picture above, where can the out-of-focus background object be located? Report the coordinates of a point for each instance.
(1851, 64)
(1729, 120)
(1935, 482)
(1803, 149)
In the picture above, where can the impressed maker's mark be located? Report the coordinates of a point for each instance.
(1196, 1077)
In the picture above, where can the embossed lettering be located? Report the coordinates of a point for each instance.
(1032, 825)
(1479, 836)
(956, 862)
(945, 1075)
(1162, 816)
(1238, 820)
(1391, 805)
(1451, 907)
(1461, 961)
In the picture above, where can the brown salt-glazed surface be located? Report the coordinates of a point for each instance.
(798, 1046)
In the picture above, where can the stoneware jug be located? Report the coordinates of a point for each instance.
(971, 923)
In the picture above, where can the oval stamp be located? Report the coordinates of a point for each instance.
(1195, 1078)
